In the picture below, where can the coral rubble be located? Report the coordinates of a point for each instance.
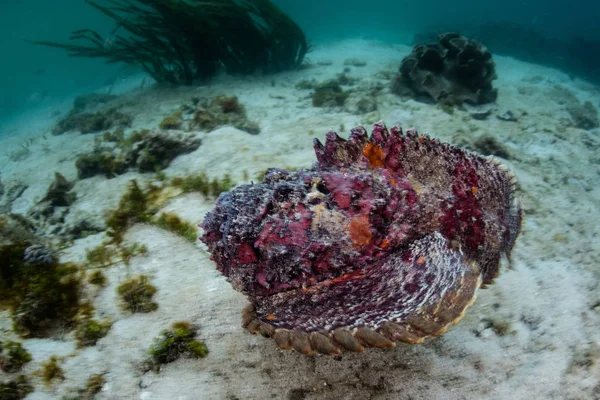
(385, 239)
(100, 161)
(329, 94)
(219, 111)
(92, 113)
(172, 121)
(146, 151)
(49, 214)
(455, 70)
(90, 122)
(157, 149)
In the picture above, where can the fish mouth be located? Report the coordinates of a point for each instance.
(313, 284)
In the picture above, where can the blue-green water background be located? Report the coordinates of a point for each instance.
(31, 75)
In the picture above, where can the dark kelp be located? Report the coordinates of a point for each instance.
(181, 41)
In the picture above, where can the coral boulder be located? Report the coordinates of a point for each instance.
(455, 70)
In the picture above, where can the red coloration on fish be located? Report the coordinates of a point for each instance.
(389, 234)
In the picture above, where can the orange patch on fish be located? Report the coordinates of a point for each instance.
(360, 230)
(375, 155)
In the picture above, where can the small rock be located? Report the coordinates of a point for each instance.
(146, 381)
(507, 116)
(157, 149)
(486, 333)
(329, 94)
(222, 110)
(90, 122)
(146, 395)
(479, 112)
(480, 116)
(100, 161)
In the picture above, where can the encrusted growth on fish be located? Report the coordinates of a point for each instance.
(385, 239)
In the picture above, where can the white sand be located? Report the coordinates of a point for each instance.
(547, 297)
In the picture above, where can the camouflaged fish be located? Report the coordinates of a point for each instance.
(385, 239)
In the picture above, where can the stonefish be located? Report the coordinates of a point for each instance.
(386, 238)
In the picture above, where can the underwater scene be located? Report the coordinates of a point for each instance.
(283, 199)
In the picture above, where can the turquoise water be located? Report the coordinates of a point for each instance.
(30, 75)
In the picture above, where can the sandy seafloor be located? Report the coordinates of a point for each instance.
(550, 297)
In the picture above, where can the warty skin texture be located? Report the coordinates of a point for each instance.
(385, 239)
